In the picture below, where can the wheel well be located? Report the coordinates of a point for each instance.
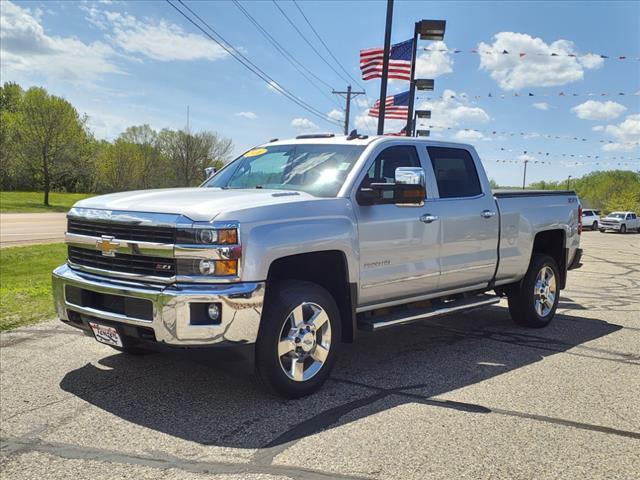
(552, 243)
(327, 269)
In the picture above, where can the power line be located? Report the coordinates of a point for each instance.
(333, 56)
(225, 45)
(325, 45)
(286, 54)
(292, 23)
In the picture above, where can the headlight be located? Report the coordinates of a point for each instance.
(207, 236)
(206, 267)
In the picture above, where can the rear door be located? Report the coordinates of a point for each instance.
(468, 219)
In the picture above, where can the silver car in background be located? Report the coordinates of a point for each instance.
(621, 222)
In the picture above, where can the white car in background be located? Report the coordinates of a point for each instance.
(590, 218)
(620, 221)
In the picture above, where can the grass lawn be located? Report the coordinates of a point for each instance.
(25, 283)
(28, 202)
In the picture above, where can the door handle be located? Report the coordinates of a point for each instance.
(488, 214)
(428, 218)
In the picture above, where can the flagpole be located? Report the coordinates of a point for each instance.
(412, 82)
(385, 67)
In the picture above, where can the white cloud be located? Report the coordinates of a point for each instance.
(468, 135)
(362, 102)
(625, 134)
(336, 114)
(26, 50)
(598, 128)
(451, 110)
(541, 106)
(303, 124)
(594, 110)
(538, 67)
(159, 40)
(432, 64)
(249, 115)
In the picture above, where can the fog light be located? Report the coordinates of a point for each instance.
(214, 311)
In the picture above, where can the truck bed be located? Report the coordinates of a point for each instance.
(506, 193)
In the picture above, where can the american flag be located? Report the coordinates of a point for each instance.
(401, 133)
(397, 106)
(399, 61)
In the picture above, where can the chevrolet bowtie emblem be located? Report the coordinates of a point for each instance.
(107, 246)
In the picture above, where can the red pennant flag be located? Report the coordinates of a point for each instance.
(561, 94)
(504, 52)
(622, 58)
(522, 55)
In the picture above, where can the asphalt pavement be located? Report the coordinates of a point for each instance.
(468, 396)
(31, 228)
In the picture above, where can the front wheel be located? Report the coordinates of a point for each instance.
(298, 340)
(623, 229)
(594, 226)
(602, 230)
(533, 303)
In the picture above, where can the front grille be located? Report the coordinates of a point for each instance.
(141, 233)
(137, 264)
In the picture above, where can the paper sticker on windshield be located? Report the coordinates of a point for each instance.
(255, 152)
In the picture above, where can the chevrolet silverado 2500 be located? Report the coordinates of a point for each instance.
(297, 244)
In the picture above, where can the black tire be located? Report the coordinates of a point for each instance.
(623, 229)
(594, 225)
(281, 301)
(602, 230)
(522, 299)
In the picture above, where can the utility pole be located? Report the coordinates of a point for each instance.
(412, 82)
(568, 181)
(524, 176)
(349, 94)
(385, 67)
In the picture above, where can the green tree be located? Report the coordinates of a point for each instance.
(189, 154)
(10, 98)
(51, 136)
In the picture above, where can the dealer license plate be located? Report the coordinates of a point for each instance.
(105, 334)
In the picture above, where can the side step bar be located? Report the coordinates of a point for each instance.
(415, 314)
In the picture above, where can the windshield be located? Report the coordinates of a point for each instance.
(316, 169)
(616, 215)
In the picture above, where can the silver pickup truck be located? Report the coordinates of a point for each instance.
(296, 245)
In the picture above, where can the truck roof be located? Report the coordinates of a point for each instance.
(323, 138)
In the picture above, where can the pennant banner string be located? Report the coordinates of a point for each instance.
(528, 135)
(560, 94)
(527, 55)
(569, 155)
(562, 163)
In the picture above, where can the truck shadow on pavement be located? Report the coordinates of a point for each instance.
(211, 396)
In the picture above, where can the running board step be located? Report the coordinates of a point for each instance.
(414, 314)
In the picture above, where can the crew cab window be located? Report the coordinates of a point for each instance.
(587, 213)
(383, 169)
(455, 172)
(629, 217)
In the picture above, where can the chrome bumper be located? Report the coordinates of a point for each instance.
(241, 307)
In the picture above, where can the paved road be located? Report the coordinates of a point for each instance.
(30, 228)
(467, 397)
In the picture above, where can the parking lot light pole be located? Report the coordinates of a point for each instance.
(423, 30)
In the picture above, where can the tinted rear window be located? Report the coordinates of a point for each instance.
(455, 172)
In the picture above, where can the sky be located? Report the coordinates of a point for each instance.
(128, 63)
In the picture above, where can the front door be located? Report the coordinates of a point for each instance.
(398, 251)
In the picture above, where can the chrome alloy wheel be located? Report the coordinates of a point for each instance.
(544, 291)
(305, 340)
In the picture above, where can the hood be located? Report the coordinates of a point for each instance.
(612, 219)
(199, 204)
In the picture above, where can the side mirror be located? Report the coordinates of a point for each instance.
(409, 188)
(209, 171)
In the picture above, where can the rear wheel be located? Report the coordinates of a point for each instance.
(623, 229)
(602, 230)
(298, 339)
(533, 303)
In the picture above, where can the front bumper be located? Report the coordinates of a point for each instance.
(609, 226)
(170, 322)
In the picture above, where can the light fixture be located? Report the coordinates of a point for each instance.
(423, 133)
(424, 84)
(423, 113)
(431, 29)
